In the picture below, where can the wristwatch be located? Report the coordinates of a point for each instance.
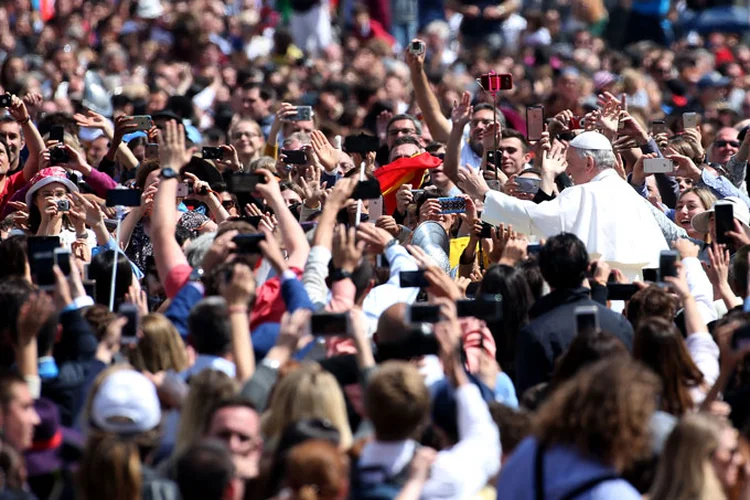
(168, 173)
(388, 245)
(339, 274)
(196, 274)
(271, 363)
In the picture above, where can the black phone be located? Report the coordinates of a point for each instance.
(667, 264)
(473, 288)
(361, 143)
(248, 243)
(724, 221)
(413, 279)
(493, 157)
(59, 155)
(328, 324)
(245, 183)
(62, 260)
(57, 133)
(210, 153)
(533, 249)
(587, 319)
(621, 291)
(422, 313)
(41, 252)
(420, 342)
(5, 101)
(488, 310)
(650, 274)
(486, 230)
(130, 330)
(294, 156)
(253, 220)
(741, 337)
(123, 198)
(367, 190)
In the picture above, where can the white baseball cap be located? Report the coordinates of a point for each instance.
(126, 403)
(591, 140)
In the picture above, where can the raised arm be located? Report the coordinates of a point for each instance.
(239, 293)
(31, 136)
(440, 126)
(460, 116)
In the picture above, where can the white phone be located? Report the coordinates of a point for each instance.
(375, 208)
(689, 120)
(657, 166)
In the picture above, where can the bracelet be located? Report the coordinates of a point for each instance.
(82, 236)
(237, 309)
(24, 122)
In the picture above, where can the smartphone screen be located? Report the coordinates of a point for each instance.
(245, 183)
(329, 324)
(689, 120)
(658, 127)
(724, 221)
(62, 260)
(413, 279)
(367, 190)
(123, 198)
(587, 319)
(621, 291)
(488, 310)
(422, 313)
(667, 264)
(57, 133)
(534, 122)
(650, 274)
(248, 243)
(130, 330)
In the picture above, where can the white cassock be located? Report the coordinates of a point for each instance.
(611, 219)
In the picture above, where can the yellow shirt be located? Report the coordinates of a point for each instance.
(457, 247)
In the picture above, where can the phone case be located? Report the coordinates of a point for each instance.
(454, 205)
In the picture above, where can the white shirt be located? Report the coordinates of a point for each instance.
(611, 219)
(469, 157)
(459, 472)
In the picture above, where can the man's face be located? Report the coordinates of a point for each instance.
(438, 176)
(480, 120)
(514, 158)
(19, 418)
(403, 151)
(400, 128)
(246, 138)
(725, 146)
(11, 132)
(239, 428)
(254, 106)
(306, 126)
(578, 167)
(97, 150)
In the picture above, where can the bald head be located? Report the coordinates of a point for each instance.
(392, 325)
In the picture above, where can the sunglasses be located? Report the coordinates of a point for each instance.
(439, 155)
(721, 144)
(228, 204)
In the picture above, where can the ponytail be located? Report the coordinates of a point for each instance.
(110, 468)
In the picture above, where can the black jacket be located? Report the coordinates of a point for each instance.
(553, 328)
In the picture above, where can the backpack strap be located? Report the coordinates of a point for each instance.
(589, 485)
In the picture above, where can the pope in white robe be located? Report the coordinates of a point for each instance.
(613, 220)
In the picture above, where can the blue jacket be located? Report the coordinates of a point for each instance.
(564, 471)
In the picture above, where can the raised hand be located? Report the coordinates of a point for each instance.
(95, 121)
(17, 110)
(327, 155)
(462, 111)
(172, 150)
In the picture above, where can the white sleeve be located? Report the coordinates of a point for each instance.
(540, 219)
(464, 470)
(399, 260)
(700, 288)
(705, 354)
(314, 277)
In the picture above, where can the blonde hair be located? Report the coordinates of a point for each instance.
(308, 392)
(685, 471)
(207, 388)
(160, 348)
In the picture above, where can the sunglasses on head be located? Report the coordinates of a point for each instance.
(721, 144)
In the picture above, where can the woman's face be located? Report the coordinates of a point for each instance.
(247, 139)
(727, 458)
(151, 178)
(688, 206)
(53, 192)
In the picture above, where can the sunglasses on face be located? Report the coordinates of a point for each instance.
(721, 144)
(228, 204)
(439, 155)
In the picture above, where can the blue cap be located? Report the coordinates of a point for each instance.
(713, 80)
(129, 137)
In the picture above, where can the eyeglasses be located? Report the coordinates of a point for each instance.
(439, 155)
(251, 135)
(405, 131)
(722, 144)
(228, 204)
(475, 123)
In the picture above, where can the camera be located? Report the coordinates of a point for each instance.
(63, 205)
(417, 47)
(5, 101)
(59, 155)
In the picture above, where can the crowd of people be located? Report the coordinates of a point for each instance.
(381, 250)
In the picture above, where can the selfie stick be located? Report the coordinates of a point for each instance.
(120, 211)
(359, 202)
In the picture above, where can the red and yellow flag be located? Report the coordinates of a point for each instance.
(403, 171)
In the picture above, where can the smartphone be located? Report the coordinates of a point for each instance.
(123, 198)
(253, 220)
(248, 243)
(667, 264)
(741, 338)
(723, 222)
(657, 166)
(245, 183)
(488, 310)
(527, 184)
(212, 153)
(534, 122)
(650, 274)
(621, 291)
(419, 342)
(658, 127)
(494, 157)
(587, 319)
(294, 157)
(492, 82)
(304, 113)
(59, 155)
(61, 257)
(329, 324)
(130, 330)
(40, 250)
(89, 286)
(417, 47)
(152, 151)
(375, 208)
(452, 205)
(533, 249)
(57, 133)
(473, 288)
(142, 122)
(413, 279)
(486, 230)
(361, 143)
(183, 189)
(5, 101)
(367, 190)
(689, 120)
(422, 313)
